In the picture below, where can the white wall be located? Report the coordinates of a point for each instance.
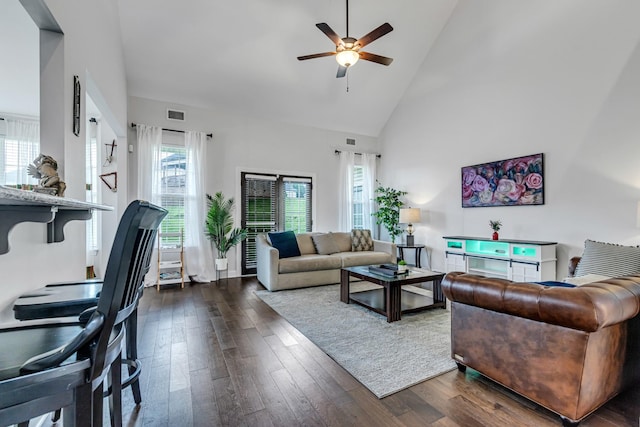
(92, 47)
(243, 143)
(516, 78)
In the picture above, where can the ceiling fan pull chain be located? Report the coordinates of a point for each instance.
(348, 80)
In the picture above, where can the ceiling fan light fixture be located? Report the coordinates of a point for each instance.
(347, 58)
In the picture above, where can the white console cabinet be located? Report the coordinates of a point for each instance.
(517, 260)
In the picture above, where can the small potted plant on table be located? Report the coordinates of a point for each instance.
(495, 226)
(402, 266)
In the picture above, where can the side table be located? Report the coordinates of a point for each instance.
(416, 248)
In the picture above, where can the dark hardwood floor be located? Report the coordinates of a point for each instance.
(215, 354)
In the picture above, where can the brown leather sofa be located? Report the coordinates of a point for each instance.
(568, 349)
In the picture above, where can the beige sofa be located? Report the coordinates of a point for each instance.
(311, 268)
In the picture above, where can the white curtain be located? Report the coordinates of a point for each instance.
(18, 148)
(198, 250)
(345, 190)
(368, 189)
(149, 163)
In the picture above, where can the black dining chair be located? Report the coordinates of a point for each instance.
(64, 365)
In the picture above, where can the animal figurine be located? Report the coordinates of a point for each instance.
(45, 169)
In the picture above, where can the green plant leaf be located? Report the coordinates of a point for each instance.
(388, 214)
(219, 224)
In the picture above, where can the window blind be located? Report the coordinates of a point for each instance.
(258, 214)
(91, 175)
(269, 203)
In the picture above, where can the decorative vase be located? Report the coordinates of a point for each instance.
(221, 264)
(495, 235)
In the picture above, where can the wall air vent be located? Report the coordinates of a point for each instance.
(351, 141)
(175, 115)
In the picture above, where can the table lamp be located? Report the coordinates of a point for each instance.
(409, 216)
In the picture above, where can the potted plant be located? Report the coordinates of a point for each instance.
(388, 214)
(402, 266)
(219, 227)
(495, 226)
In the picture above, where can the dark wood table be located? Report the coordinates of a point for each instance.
(390, 299)
(416, 248)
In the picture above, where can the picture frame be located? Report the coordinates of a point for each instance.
(518, 181)
(76, 105)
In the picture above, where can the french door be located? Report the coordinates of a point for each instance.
(272, 203)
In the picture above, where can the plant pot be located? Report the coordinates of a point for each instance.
(495, 235)
(402, 268)
(221, 263)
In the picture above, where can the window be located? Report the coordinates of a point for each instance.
(269, 203)
(358, 200)
(91, 174)
(172, 192)
(19, 146)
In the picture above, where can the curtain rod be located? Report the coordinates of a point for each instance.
(358, 154)
(210, 135)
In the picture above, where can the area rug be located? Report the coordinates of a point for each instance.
(384, 357)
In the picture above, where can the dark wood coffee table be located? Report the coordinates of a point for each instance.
(390, 299)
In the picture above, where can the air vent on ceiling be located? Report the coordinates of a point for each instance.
(175, 115)
(351, 141)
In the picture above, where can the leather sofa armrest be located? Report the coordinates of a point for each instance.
(388, 247)
(587, 308)
(268, 261)
(573, 264)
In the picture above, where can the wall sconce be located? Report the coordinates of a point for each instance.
(409, 216)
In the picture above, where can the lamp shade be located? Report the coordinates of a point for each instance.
(409, 215)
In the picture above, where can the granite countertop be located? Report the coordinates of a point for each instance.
(14, 197)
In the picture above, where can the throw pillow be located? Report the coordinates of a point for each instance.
(324, 243)
(608, 259)
(361, 240)
(285, 242)
(553, 283)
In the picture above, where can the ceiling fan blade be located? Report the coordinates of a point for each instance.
(342, 71)
(330, 33)
(375, 58)
(315, 55)
(375, 34)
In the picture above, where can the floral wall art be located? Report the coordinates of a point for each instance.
(518, 181)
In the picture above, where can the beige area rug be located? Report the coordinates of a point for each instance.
(384, 357)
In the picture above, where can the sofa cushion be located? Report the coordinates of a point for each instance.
(305, 243)
(343, 241)
(285, 242)
(325, 244)
(361, 240)
(351, 259)
(308, 263)
(608, 259)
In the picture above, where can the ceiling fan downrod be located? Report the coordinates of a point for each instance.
(347, 18)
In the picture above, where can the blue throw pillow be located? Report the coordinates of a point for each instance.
(285, 242)
(558, 284)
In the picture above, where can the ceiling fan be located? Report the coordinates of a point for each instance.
(348, 49)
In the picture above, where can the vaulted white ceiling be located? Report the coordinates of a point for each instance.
(241, 55)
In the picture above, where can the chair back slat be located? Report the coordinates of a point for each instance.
(129, 260)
